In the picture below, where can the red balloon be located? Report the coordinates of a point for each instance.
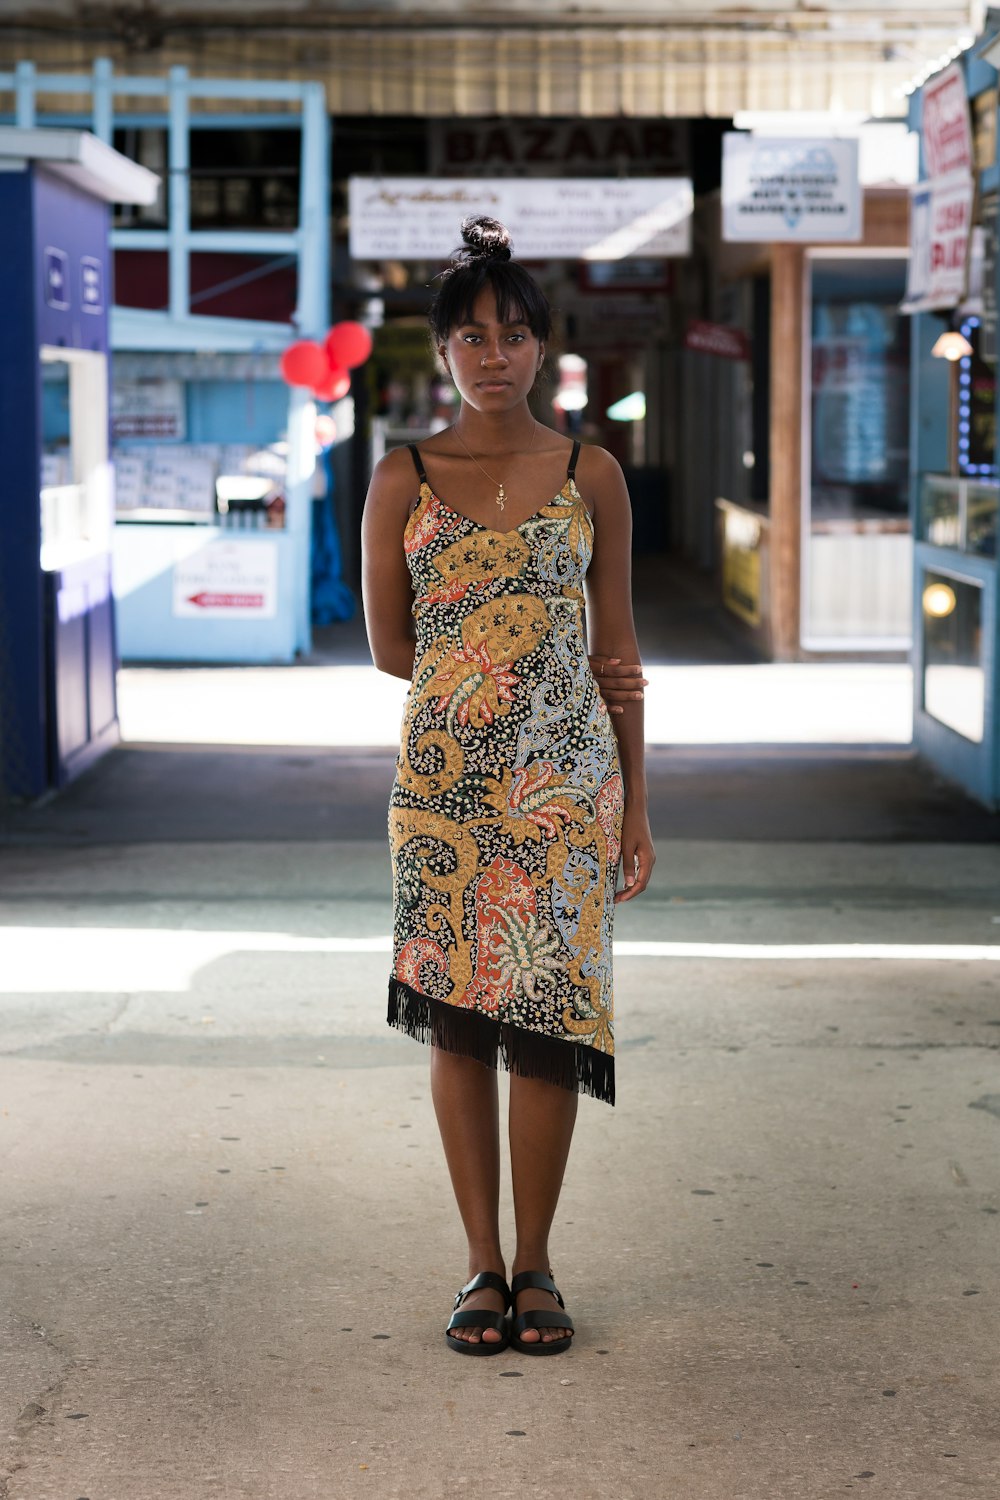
(336, 385)
(305, 363)
(348, 344)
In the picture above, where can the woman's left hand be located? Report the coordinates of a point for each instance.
(638, 854)
(618, 683)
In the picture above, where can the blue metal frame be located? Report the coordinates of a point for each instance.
(178, 328)
(309, 242)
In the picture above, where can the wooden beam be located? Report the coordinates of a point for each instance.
(787, 417)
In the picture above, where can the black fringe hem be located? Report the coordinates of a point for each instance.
(570, 1065)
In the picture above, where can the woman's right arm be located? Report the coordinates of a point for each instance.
(385, 578)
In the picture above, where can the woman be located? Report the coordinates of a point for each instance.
(508, 813)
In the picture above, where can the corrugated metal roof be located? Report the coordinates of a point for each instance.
(851, 59)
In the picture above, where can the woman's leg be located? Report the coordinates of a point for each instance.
(466, 1104)
(541, 1121)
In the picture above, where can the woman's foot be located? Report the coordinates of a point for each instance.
(540, 1299)
(489, 1299)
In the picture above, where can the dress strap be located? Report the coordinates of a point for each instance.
(571, 470)
(418, 462)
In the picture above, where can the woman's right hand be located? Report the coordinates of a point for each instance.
(619, 683)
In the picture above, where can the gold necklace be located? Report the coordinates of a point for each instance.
(501, 492)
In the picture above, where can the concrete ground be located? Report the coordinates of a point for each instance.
(780, 1248)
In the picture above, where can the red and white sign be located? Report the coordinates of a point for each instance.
(716, 338)
(944, 125)
(940, 225)
(228, 580)
(205, 600)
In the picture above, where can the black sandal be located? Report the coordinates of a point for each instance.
(539, 1317)
(480, 1317)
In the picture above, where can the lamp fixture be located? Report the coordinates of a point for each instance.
(952, 345)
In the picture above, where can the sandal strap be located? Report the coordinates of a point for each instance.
(537, 1317)
(485, 1279)
(477, 1317)
(539, 1281)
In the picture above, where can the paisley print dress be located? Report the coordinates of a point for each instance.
(506, 809)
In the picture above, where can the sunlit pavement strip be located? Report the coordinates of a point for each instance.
(836, 703)
(53, 960)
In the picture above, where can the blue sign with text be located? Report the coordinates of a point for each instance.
(56, 278)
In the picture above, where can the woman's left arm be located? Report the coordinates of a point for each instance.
(611, 634)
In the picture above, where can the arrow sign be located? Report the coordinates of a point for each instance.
(205, 600)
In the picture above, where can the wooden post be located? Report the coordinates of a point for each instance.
(787, 418)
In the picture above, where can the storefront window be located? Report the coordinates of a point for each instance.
(954, 688)
(857, 532)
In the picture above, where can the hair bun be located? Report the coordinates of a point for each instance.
(485, 239)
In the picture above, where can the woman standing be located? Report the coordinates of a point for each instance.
(516, 792)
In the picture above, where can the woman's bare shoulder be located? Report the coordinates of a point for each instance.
(600, 480)
(597, 466)
(394, 478)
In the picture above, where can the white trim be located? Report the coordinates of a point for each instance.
(828, 643)
(861, 643)
(81, 158)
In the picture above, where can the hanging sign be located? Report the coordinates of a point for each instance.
(940, 224)
(419, 218)
(790, 190)
(228, 581)
(571, 148)
(716, 338)
(944, 124)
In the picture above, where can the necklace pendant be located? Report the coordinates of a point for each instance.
(501, 498)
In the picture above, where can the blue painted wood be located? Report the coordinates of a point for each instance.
(979, 75)
(975, 767)
(147, 627)
(23, 757)
(178, 195)
(158, 120)
(57, 648)
(217, 409)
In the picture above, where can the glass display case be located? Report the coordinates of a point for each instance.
(954, 678)
(960, 514)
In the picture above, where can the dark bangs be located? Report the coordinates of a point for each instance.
(519, 298)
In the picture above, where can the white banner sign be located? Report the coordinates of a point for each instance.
(785, 189)
(419, 218)
(940, 224)
(228, 581)
(944, 124)
(147, 409)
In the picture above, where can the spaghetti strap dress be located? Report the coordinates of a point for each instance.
(506, 808)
